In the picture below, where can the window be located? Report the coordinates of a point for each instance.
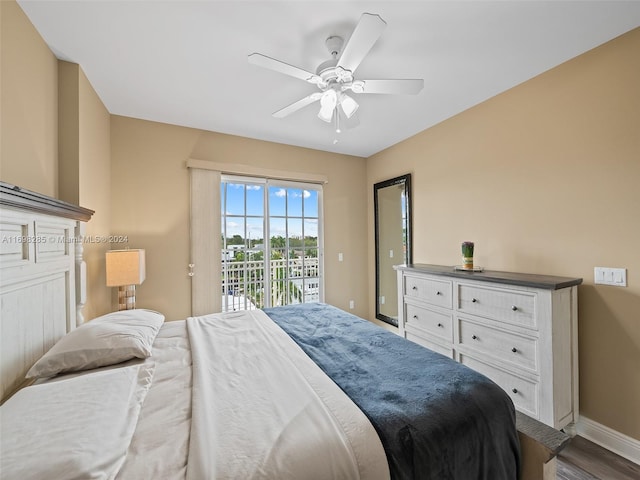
(285, 269)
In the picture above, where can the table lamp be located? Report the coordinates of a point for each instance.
(125, 270)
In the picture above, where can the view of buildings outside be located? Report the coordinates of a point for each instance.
(284, 271)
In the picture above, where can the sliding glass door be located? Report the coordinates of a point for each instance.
(287, 267)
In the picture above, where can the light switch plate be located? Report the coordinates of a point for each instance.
(610, 276)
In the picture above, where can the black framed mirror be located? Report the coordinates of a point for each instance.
(392, 212)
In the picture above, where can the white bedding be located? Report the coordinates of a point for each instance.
(76, 428)
(160, 443)
(259, 408)
(262, 409)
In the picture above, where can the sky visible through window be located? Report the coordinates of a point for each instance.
(291, 210)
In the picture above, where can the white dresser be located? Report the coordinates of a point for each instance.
(520, 330)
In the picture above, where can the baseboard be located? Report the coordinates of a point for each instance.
(610, 439)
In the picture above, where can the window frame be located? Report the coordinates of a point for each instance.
(268, 184)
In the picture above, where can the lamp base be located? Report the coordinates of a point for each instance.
(127, 297)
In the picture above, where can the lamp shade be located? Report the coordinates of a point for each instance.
(125, 267)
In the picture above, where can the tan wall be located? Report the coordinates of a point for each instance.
(150, 204)
(50, 112)
(544, 179)
(84, 173)
(68, 132)
(94, 148)
(29, 105)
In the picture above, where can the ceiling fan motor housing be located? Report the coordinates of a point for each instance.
(329, 71)
(334, 44)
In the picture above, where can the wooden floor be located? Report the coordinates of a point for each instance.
(584, 460)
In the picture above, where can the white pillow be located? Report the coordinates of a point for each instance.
(106, 340)
(73, 428)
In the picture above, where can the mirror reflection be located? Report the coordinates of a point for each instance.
(392, 199)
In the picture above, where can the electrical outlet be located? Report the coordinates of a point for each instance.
(352, 304)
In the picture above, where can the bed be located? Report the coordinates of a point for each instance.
(306, 391)
(281, 394)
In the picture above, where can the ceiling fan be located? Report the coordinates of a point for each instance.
(335, 77)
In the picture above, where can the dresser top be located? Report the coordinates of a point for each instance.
(549, 282)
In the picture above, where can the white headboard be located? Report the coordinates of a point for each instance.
(42, 278)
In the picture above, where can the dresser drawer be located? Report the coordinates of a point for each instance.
(445, 350)
(435, 292)
(509, 306)
(523, 392)
(508, 347)
(430, 321)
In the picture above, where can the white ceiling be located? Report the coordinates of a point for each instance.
(185, 63)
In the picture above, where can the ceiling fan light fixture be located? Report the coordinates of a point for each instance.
(328, 103)
(325, 115)
(348, 104)
(334, 77)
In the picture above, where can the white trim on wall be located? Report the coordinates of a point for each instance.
(205, 242)
(252, 171)
(610, 439)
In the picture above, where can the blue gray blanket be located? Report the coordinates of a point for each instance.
(436, 418)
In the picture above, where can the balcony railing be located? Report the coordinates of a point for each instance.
(244, 286)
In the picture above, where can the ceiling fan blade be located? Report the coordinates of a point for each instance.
(294, 107)
(278, 66)
(366, 33)
(402, 87)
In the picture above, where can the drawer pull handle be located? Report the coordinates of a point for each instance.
(514, 308)
(514, 390)
(440, 325)
(414, 288)
(475, 337)
(415, 317)
(438, 293)
(474, 300)
(514, 349)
